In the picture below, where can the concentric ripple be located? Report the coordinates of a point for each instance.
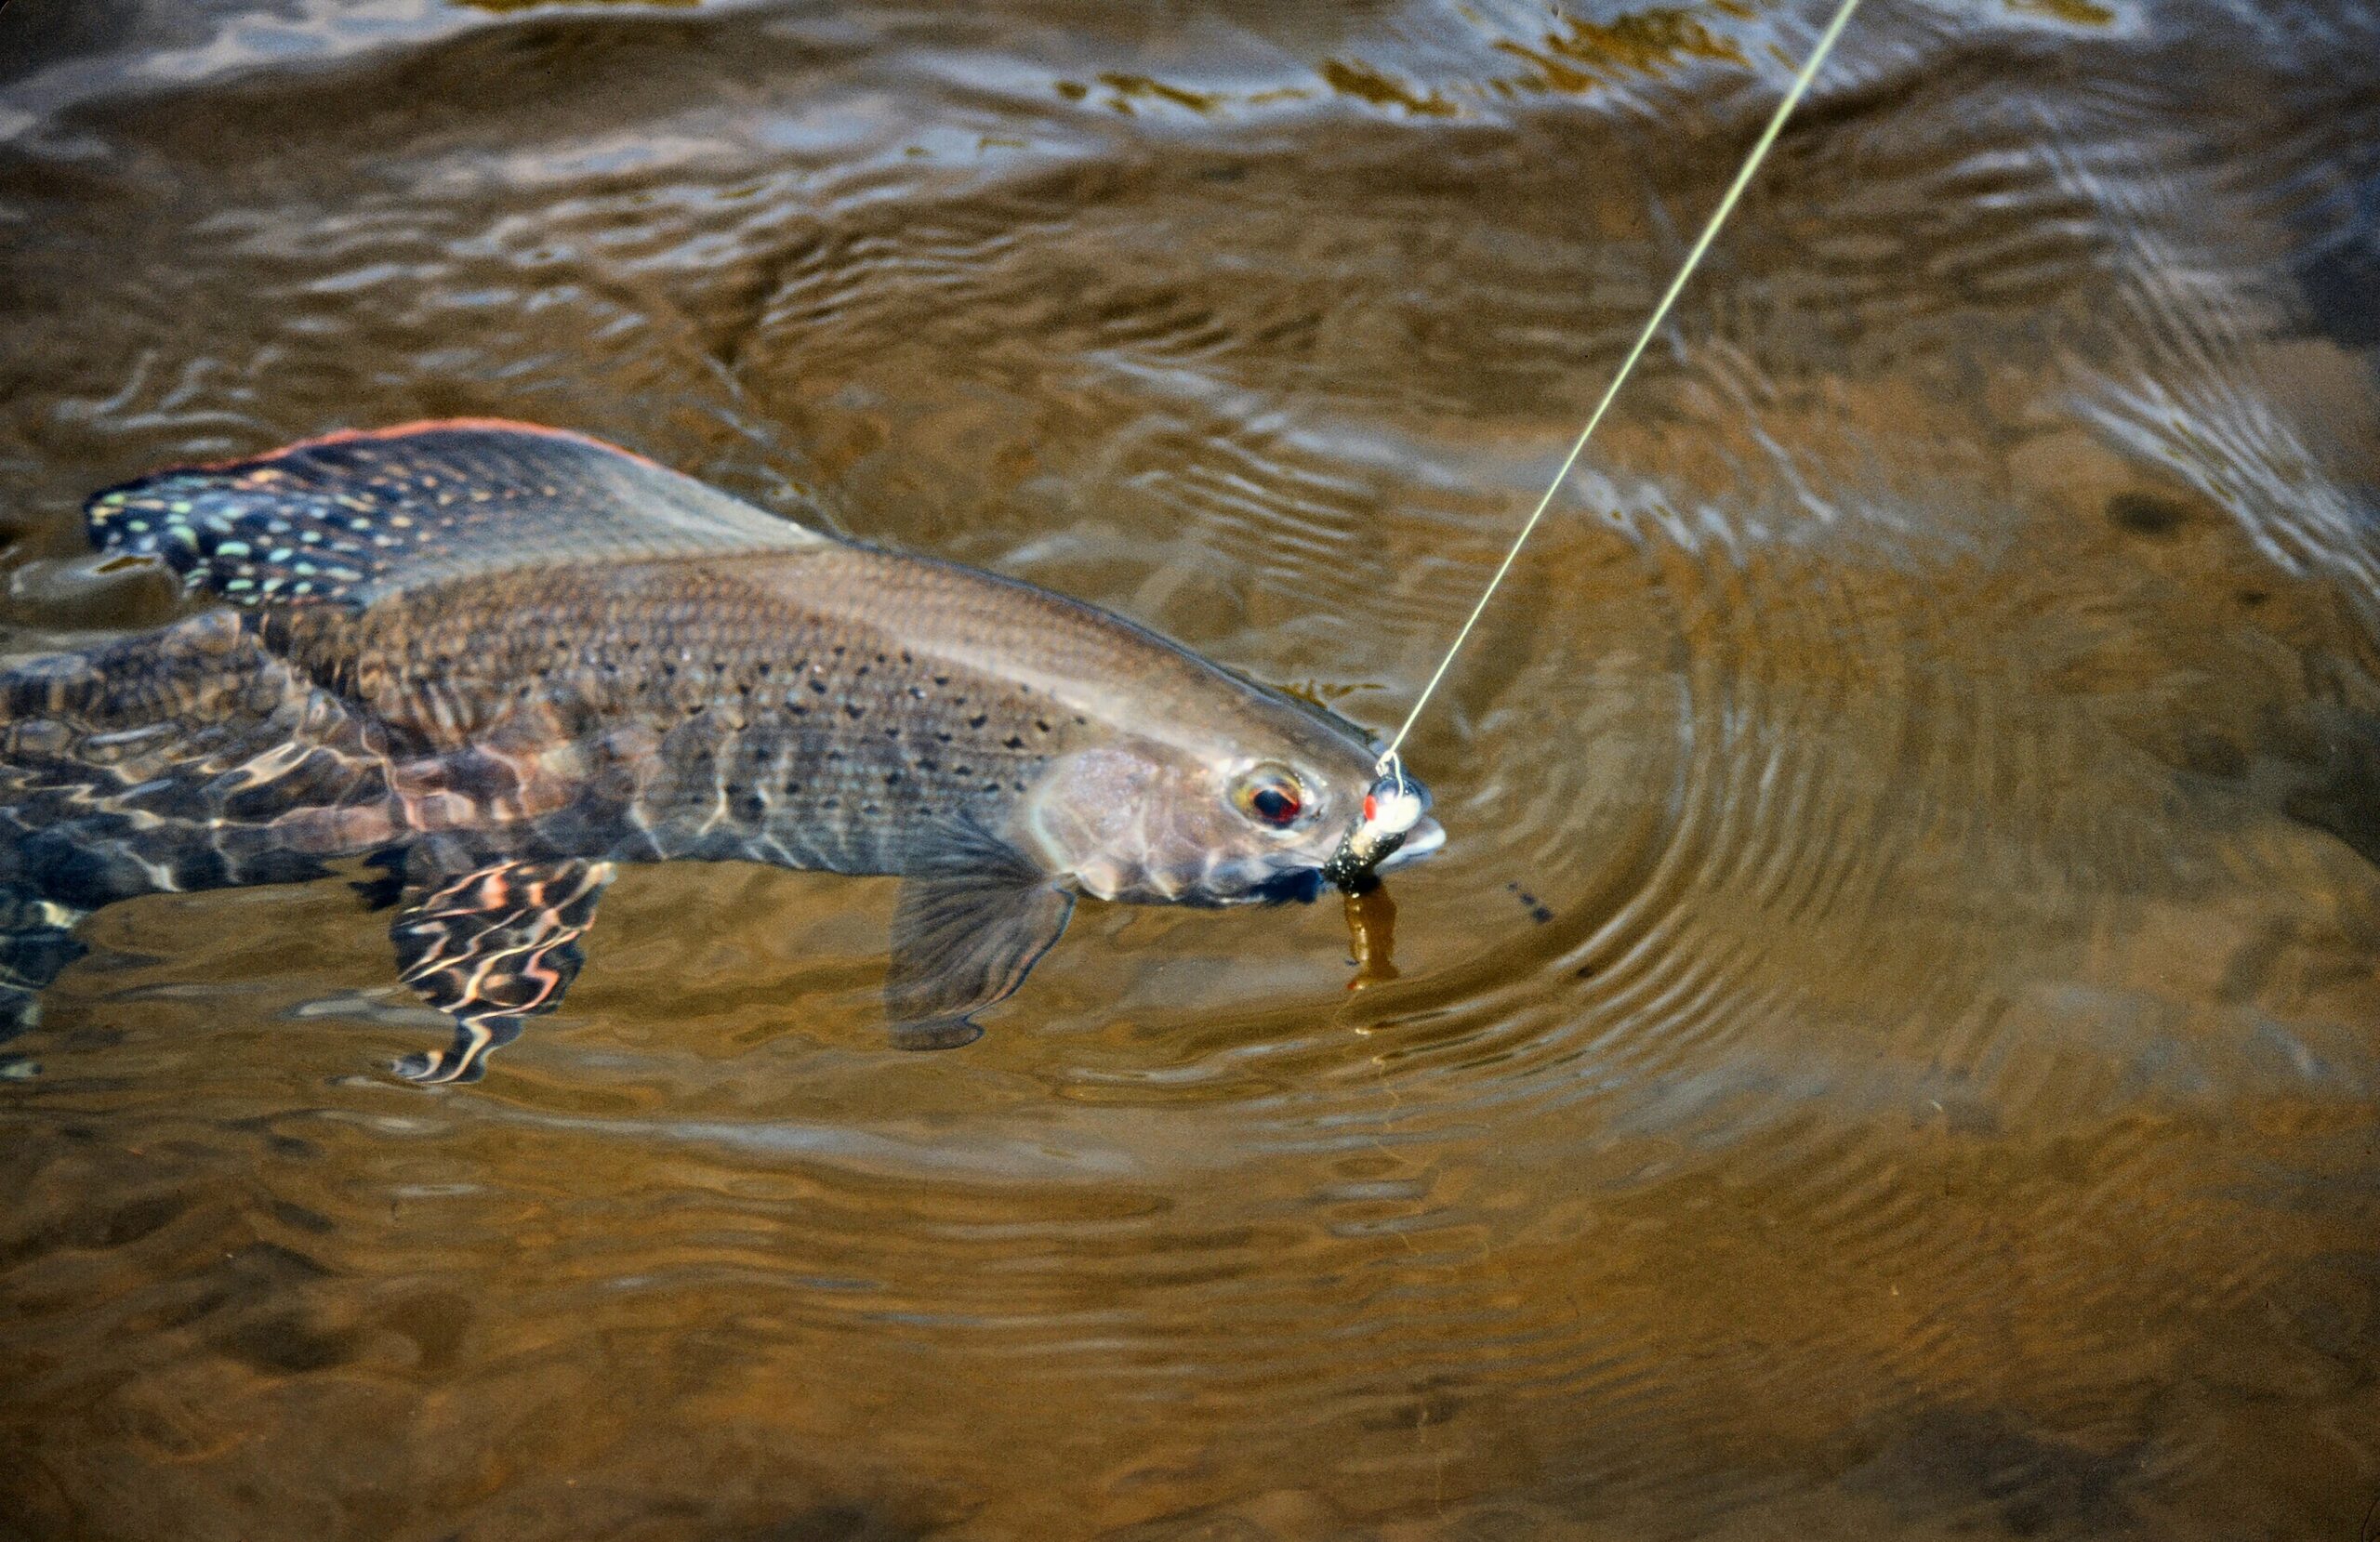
(1887, 1051)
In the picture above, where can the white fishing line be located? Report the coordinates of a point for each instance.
(1388, 760)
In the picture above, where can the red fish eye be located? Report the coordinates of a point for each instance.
(1274, 804)
(1269, 795)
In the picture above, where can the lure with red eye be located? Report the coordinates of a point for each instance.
(1393, 808)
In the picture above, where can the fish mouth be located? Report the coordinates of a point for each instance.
(1420, 841)
(1304, 885)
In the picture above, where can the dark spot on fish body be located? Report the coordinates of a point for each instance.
(302, 1219)
(2145, 514)
(285, 1343)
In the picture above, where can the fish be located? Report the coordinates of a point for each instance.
(493, 661)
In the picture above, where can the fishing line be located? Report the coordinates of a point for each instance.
(1388, 760)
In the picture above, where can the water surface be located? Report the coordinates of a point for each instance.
(1889, 1051)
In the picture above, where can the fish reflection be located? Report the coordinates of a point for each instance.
(495, 660)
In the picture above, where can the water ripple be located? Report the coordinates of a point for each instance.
(1886, 1050)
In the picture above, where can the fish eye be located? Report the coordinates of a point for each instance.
(1270, 795)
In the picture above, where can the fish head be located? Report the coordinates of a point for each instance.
(1244, 808)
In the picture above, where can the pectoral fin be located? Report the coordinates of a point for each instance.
(490, 947)
(961, 943)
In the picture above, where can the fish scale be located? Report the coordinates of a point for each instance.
(832, 735)
(499, 659)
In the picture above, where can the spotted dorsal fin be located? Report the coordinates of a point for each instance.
(355, 517)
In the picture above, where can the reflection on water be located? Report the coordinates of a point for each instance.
(1888, 1051)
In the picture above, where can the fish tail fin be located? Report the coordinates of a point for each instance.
(179, 759)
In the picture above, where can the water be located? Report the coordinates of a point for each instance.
(1887, 1052)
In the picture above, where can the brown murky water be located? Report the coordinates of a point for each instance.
(1889, 1050)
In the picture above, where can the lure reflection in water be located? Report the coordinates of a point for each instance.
(495, 660)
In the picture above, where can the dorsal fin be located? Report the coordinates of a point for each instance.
(354, 517)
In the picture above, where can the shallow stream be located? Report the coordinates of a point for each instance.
(1889, 1049)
